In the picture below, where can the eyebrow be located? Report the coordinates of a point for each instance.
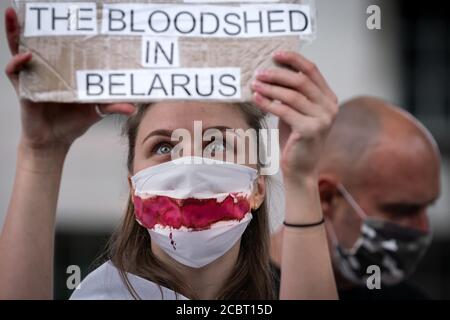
(403, 207)
(168, 133)
(159, 132)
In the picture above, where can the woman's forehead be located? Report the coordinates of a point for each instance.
(175, 115)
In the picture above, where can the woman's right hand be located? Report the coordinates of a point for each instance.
(49, 126)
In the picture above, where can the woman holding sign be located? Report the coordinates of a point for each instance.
(191, 230)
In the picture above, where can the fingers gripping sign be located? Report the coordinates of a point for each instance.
(306, 106)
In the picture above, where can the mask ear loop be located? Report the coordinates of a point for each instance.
(359, 211)
(349, 198)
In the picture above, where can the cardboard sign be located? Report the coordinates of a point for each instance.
(145, 51)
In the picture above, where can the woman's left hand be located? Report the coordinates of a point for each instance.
(306, 107)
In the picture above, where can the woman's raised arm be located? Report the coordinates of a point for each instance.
(306, 106)
(48, 131)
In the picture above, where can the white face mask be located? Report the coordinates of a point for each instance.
(195, 209)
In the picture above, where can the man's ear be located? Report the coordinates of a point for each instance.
(259, 193)
(328, 192)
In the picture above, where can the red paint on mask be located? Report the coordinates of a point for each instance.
(192, 213)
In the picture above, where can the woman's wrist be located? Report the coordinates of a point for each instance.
(43, 159)
(302, 200)
(300, 181)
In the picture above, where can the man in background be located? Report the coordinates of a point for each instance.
(379, 174)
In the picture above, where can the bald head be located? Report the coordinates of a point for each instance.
(387, 161)
(368, 129)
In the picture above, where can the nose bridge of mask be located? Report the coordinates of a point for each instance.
(402, 236)
(194, 177)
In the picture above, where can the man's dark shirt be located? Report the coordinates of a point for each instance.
(402, 291)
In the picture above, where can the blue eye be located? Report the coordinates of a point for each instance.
(163, 149)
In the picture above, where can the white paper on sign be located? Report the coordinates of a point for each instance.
(60, 19)
(172, 83)
(160, 52)
(242, 21)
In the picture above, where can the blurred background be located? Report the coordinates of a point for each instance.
(406, 62)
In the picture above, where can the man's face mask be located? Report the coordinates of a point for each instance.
(396, 250)
(195, 209)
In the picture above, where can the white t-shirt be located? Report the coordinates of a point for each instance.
(105, 283)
